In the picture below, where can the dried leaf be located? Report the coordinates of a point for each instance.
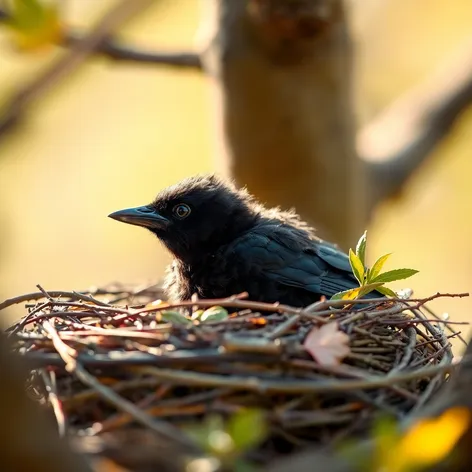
(157, 304)
(327, 345)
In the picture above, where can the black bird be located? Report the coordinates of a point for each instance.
(224, 243)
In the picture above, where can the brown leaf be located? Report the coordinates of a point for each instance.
(327, 345)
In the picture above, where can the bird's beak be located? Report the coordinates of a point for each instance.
(140, 216)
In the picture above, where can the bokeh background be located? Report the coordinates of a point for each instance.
(113, 134)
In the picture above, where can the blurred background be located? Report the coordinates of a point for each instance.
(112, 134)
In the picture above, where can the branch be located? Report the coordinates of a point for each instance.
(400, 139)
(79, 52)
(121, 52)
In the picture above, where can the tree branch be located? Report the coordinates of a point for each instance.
(113, 49)
(399, 140)
(282, 74)
(79, 52)
(123, 52)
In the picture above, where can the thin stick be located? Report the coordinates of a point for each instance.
(69, 356)
(49, 379)
(293, 386)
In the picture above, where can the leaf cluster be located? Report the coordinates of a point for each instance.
(371, 278)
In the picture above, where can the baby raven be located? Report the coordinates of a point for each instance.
(224, 243)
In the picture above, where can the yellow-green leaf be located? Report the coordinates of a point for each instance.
(393, 275)
(174, 317)
(34, 23)
(247, 429)
(426, 443)
(377, 267)
(346, 294)
(196, 315)
(387, 292)
(361, 247)
(364, 290)
(431, 440)
(215, 313)
(357, 266)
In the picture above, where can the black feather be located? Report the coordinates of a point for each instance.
(229, 243)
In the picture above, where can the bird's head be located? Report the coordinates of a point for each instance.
(195, 216)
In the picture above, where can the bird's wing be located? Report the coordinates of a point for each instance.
(288, 257)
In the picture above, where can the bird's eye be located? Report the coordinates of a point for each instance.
(181, 210)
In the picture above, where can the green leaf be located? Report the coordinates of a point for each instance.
(35, 23)
(197, 314)
(357, 266)
(215, 313)
(377, 267)
(361, 247)
(350, 294)
(387, 292)
(174, 317)
(202, 433)
(247, 429)
(393, 275)
(364, 290)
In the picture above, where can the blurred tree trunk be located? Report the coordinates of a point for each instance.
(28, 435)
(283, 77)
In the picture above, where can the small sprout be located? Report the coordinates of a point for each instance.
(215, 313)
(371, 279)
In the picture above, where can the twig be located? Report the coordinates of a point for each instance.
(80, 295)
(448, 328)
(63, 67)
(293, 386)
(277, 307)
(408, 353)
(69, 356)
(112, 49)
(49, 379)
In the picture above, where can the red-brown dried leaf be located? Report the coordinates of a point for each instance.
(327, 345)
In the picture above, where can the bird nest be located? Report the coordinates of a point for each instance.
(116, 358)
